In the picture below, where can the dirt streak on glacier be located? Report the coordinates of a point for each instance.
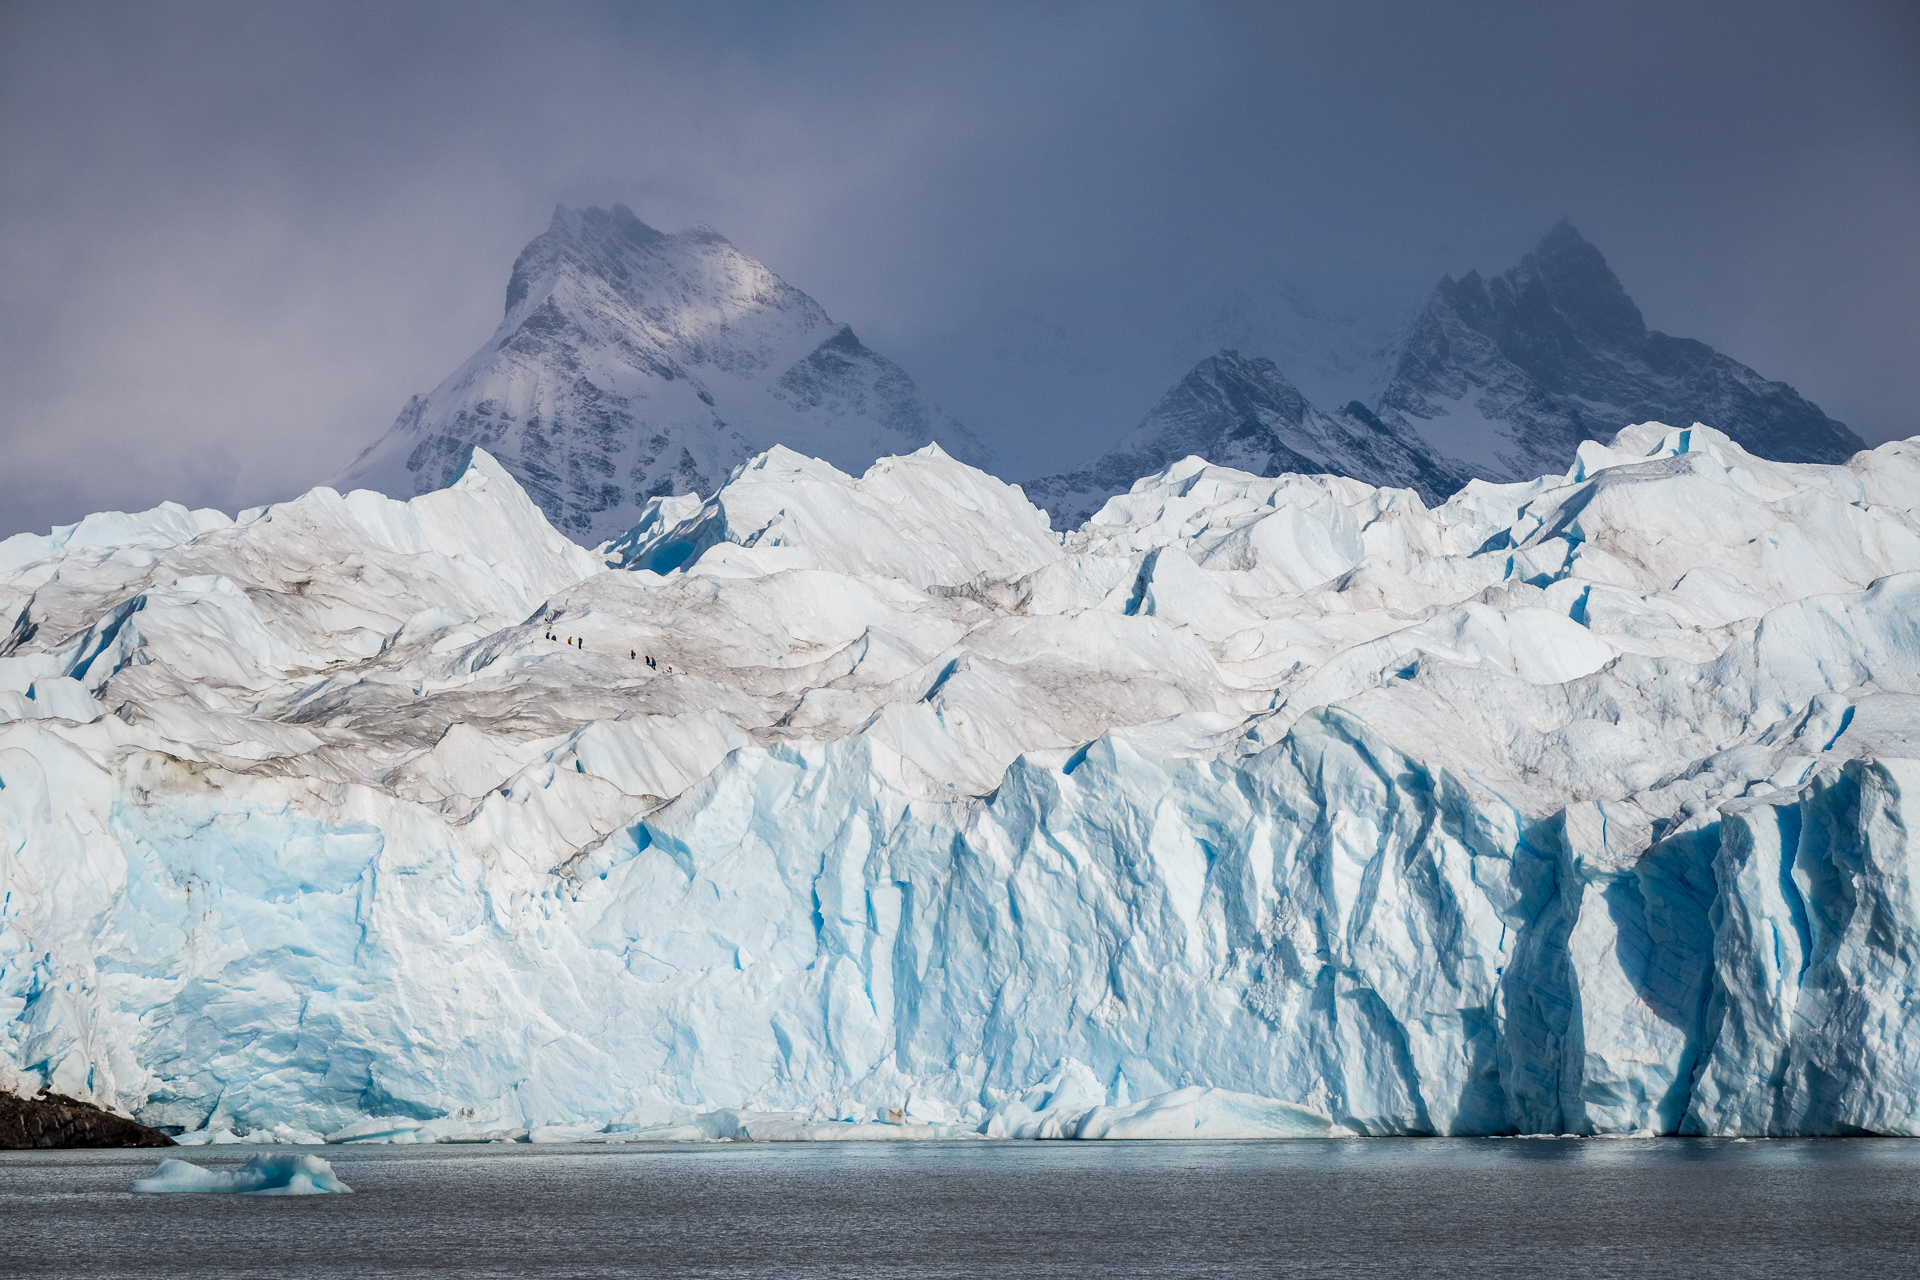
(1255, 806)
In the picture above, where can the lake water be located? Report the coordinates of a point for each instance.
(1387, 1207)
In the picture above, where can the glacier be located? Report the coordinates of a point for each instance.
(1255, 806)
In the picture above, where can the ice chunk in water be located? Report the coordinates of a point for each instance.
(1196, 1112)
(274, 1174)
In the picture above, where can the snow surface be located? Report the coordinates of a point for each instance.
(268, 1174)
(1256, 806)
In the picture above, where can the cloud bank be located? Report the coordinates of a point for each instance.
(236, 238)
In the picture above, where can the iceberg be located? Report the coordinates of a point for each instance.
(1071, 1104)
(264, 1175)
(386, 1129)
(1195, 1112)
(1256, 806)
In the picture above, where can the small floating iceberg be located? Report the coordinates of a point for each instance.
(274, 1174)
(1212, 1114)
(781, 1126)
(392, 1129)
(1072, 1103)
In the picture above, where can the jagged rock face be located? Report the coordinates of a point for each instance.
(1508, 375)
(1243, 413)
(634, 364)
(52, 1122)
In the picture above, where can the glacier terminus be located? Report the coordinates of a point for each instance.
(1254, 806)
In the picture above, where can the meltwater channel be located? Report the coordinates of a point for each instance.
(1352, 1207)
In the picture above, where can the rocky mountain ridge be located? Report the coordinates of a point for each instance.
(1509, 374)
(1498, 379)
(1243, 413)
(633, 364)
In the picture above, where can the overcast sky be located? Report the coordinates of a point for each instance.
(234, 238)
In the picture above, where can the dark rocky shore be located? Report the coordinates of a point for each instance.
(50, 1121)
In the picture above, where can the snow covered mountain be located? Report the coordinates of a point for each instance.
(1260, 806)
(1498, 379)
(1244, 414)
(633, 364)
(1507, 376)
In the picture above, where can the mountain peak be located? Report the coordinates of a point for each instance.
(1563, 234)
(598, 241)
(596, 225)
(1242, 412)
(1508, 375)
(1566, 273)
(1230, 370)
(634, 363)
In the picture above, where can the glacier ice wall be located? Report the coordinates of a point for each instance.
(1578, 805)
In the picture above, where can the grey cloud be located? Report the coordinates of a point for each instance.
(235, 238)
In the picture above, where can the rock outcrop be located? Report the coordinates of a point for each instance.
(51, 1121)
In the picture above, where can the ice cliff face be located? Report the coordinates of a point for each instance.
(1260, 804)
(1243, 413)
(1508, 375)
(633, 364)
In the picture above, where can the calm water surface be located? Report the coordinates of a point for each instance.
(1427, 1208)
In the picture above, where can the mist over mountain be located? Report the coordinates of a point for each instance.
(634, 364)
(1499, 379)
